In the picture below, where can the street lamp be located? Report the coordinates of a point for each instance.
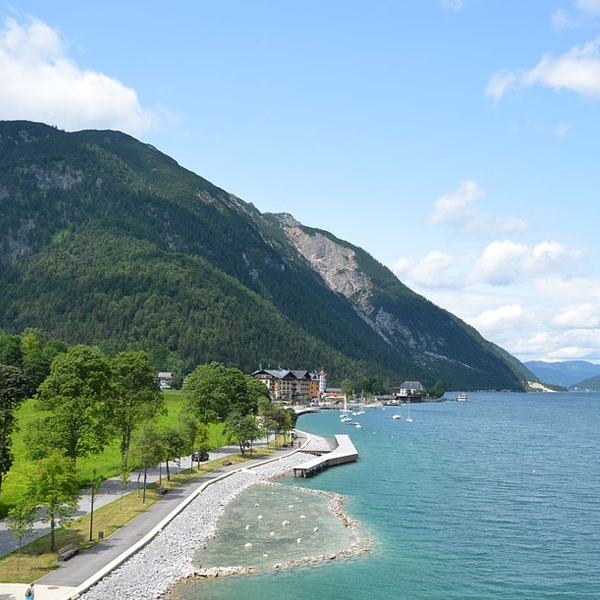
(94, 487)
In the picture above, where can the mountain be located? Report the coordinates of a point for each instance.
(591, 383)
(105, 240)
(565, 373)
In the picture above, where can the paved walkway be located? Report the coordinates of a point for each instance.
(85, 565)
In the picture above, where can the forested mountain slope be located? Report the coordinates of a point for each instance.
(105, 240)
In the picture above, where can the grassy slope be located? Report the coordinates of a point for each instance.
(106, 464)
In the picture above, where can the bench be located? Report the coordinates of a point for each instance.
(66, 552)
(162, 491)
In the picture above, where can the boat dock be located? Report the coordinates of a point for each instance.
(344, 453)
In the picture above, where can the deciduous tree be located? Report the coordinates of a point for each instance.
(148, 449)
(79, 397)
(20, 522)
(214, 391)
(242, 430)
(55, 489)
(12, 394)
(138, 396)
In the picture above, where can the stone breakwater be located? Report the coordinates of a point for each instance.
(169, 556)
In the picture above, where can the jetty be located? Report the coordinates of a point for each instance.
(344, 453)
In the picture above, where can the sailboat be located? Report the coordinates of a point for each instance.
(409, 419)
(344, 416)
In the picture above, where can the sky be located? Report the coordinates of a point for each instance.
(456, 141)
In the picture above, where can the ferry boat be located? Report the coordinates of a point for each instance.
(462, 397)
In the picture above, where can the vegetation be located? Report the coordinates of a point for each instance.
(107, 242)
(36, 559)
(12, 393)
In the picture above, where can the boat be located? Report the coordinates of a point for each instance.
(462, 397)
(397, 417)
(408, 419)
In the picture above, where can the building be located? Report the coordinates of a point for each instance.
(408, 388)
(291, 385)
(164, 380)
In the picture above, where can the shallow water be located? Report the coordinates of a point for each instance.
(273, 524)
(498, 497)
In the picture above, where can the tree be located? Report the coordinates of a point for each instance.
(189, 425)
(437, 390)
(257, 393)
(10, 350)
(20, 521)
(54, 488)
(346, 386)
(282, 420)
(138, 396)
(36, 365)
(148, 449)
(266, 409)
(242, 430)
(173, 442)
(12, 394)
(214, 391)
(78, 394)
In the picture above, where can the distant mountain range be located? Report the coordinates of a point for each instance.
(566, 373)
(105, 240)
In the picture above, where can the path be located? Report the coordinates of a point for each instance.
(81, 567)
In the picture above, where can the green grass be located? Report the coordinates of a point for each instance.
(107, 464)
(36, 559)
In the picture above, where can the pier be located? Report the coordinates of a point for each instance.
(344, 453)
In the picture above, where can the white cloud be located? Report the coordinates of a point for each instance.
(561, 130)
(591, 7)
(40, 83)
(492, 319)
(504, 262)
(577, 70)
(458, 209)
(431, 272)
(452, 4)
(453, 206)
(501, 263)
(499, 83)
(584, 10)
(583, 316)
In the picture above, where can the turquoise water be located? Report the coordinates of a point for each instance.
(495, 498)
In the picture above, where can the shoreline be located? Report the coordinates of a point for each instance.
(361, 544)
(168, 558)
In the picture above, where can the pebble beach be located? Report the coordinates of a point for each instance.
(169, 557)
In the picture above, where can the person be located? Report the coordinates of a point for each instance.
(29, 592)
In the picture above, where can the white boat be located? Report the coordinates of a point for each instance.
(462, 397)
(397, 417)
(408, 419)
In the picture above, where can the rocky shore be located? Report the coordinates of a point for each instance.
(168, 558)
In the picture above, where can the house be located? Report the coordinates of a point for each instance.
(409, 388)
(164, 380)
(291, 385)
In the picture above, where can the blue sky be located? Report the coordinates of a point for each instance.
(454, 140)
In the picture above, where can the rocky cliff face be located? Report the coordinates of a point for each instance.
(337, 264)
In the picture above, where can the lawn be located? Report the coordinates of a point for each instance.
(107, 464)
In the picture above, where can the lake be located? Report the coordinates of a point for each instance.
(497, 497)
